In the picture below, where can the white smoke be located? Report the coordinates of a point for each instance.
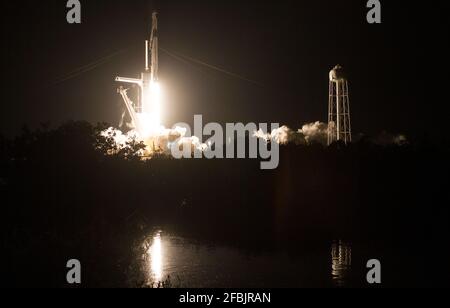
(161, 142)
(166, 139)
(315, 132)
(121, 140)
(262, 135)
(281, 135)
(309, 133)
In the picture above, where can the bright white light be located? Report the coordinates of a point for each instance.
(150, 118)
(156, 257)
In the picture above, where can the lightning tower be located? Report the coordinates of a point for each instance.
(339, 122)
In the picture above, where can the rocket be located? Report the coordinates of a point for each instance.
(148, 87)
(152, 49)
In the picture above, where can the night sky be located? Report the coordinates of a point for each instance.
(398, 70)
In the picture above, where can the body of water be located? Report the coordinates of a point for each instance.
(172, 261)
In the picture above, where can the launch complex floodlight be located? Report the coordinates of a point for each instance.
(145, 113)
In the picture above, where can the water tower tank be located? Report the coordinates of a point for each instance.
(337, 74)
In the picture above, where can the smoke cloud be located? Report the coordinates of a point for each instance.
(166, 139)
(282, 135)
(162, 142)
(387, 139)
(315, 132)
(310, 133)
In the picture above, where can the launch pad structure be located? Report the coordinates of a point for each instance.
(145, 112)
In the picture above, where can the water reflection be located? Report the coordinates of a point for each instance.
(155, 253)
(341, 262)
(167, 260)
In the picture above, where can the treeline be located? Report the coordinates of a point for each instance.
(73, 140)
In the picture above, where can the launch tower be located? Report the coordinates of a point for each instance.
(145, 113)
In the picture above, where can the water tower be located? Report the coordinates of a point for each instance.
(339, 122)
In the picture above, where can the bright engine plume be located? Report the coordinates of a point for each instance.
(146, 112)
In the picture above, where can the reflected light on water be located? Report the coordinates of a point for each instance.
(156, 258)
(341, 262)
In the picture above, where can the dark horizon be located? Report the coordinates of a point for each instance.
(396, 69)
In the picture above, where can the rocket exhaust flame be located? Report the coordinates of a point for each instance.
(146, 114)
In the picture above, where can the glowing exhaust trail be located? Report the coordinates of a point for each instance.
(146, 113)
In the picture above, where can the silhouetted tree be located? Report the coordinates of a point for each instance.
(133, 150)
(72, 141)
(105, 142)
